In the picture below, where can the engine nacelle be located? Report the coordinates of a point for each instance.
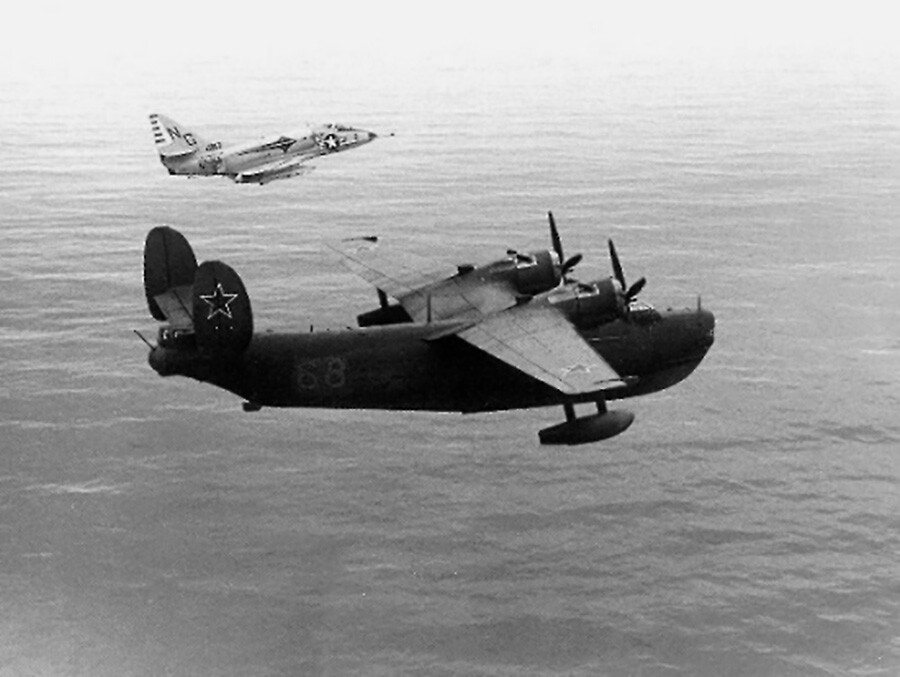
(536, 273)
(590, 305)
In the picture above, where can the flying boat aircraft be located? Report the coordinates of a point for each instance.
(518, 332)
(184, 152)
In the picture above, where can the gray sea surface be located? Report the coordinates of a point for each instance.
(748, 523)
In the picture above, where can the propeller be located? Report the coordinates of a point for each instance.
(634, 289)
(566, 265)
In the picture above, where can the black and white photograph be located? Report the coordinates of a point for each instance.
(477, 338)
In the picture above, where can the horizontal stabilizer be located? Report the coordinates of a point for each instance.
(223, 321)
(176, 305)
(169, 269)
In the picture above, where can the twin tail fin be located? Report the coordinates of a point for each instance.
(208, 301)
(223, 320)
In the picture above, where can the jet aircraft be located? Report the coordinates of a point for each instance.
(516, 333)
(184, 152)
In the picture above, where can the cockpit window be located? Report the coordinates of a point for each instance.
(644, 314)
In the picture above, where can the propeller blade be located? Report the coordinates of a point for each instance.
(571, 263)
(635, 289)
(565, 265)
(554, 238)
(617, 267)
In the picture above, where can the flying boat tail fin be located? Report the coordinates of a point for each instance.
(169, 270)
(223, 320)
(173, 139)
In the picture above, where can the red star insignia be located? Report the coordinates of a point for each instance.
(219, 302)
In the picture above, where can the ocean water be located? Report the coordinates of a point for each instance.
(747, 524)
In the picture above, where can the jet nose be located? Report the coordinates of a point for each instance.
(354, 136)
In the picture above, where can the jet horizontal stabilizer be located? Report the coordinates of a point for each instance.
(175, 154)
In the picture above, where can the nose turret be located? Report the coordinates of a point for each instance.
(706, 326)
(690, 333)
(683, 336)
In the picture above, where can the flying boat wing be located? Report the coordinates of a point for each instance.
(398, 274)
(425, 289)
(538, 340)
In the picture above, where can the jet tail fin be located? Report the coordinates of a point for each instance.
(173, 139)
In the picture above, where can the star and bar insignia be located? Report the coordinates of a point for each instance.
(330, 142)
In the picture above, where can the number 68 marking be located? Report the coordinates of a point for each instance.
(330, 372)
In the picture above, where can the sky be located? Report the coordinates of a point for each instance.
(67, 39)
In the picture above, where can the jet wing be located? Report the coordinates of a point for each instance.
(538, 340)
(279, 169)
(426, 289)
